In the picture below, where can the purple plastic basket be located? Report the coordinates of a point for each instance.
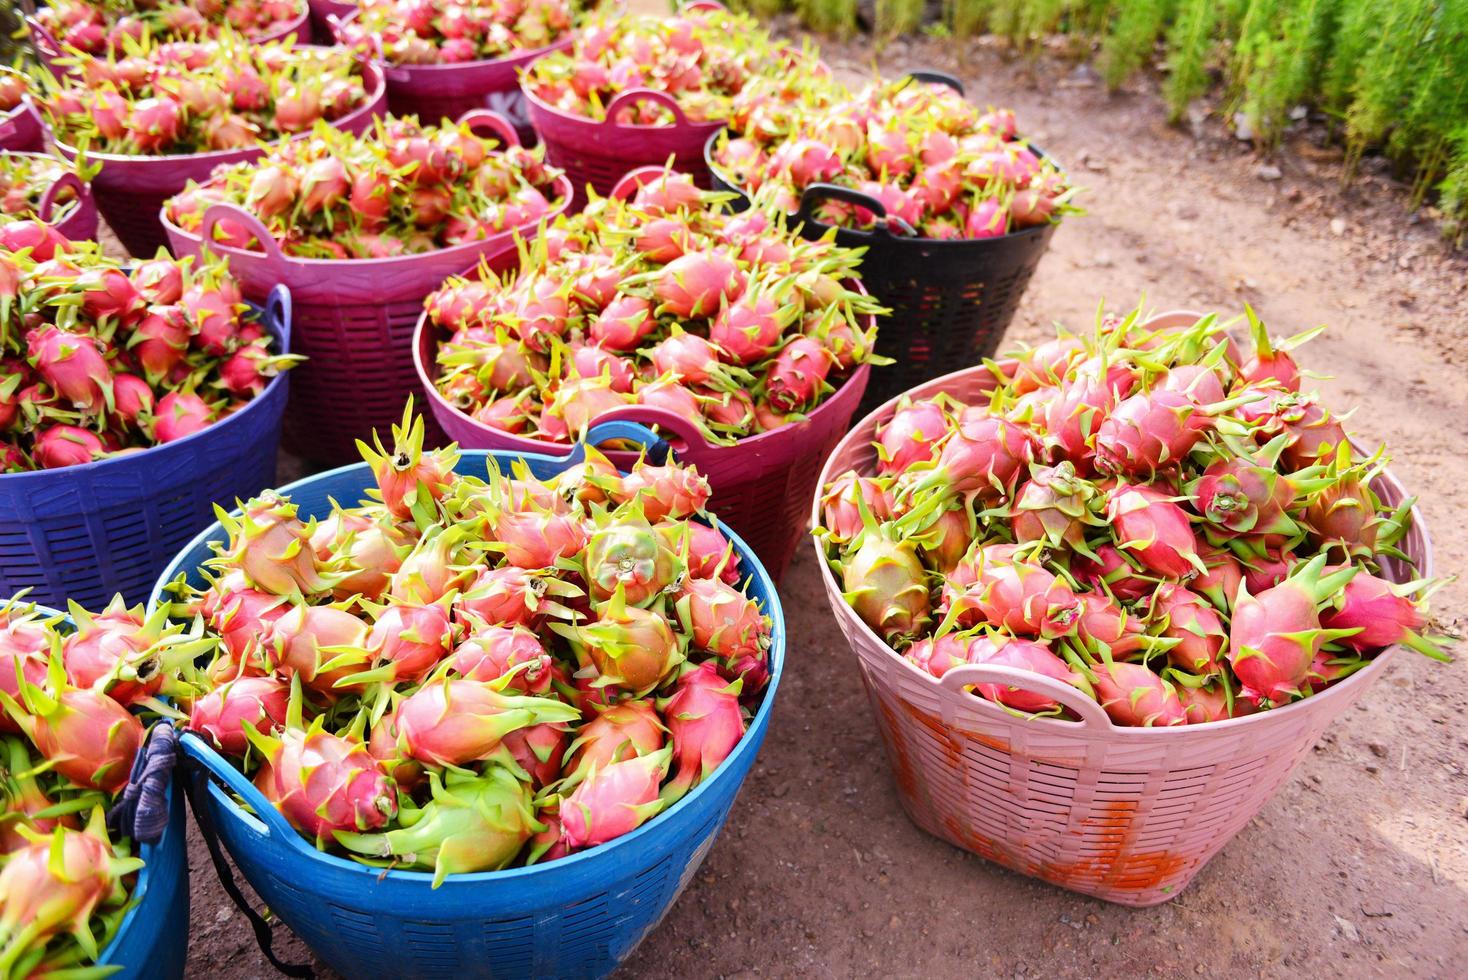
(354, 321)
(130, 190)
(435, 92)
(79, 223)
(87, 532)
(21, 128)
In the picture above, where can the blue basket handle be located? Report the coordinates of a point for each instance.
(937, 78)
(204, 764)
(278, 312)
(141, 811)
(815, 193)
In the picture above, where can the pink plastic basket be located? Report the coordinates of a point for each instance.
(434, 92)
(48, 48)
(1128, 815)
(761, 485)
(130, 190)
(321, 13)
(21, 128)
(80, 222)
(354, 321)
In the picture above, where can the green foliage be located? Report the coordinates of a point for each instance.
(1279, 59)
(1133, 35)
(897, 17)
(967, 17)
(1189, 44)
(828, 16)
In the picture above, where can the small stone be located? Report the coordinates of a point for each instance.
(1268, 171)
(1373, 769)
(1347, 929)
(1377, 749)
(1338, 226)
(1243, 129)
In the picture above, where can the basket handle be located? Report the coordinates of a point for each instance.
(668, 421)
(937, 78)
(46, 43)
(205, 765)
(141, 811)
(815, 193)
(632, 96)
(220, 210)
(67, 181)
(1092, 715)
(602, 432)
(498, 125)
(278, 312)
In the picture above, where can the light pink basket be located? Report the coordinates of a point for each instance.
(760, 484)
(130, 190)
(354, 319)
(1128, 815)
(79, 223)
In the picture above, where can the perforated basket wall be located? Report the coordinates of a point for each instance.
(152, 940)
(87, 532)
(1128, 815)
(354, 322)
(576, 917)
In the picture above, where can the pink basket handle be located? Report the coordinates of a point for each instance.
(221, 210)
(635, 95)
(634, 179)
(1172, 318)
(498, 125)
(668, 422)
(703, 5)
(48, 200)
(46, 42)
(1092, 715)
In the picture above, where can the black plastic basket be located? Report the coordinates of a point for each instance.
(951, 300)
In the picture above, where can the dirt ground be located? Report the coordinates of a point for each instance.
(1359, 867)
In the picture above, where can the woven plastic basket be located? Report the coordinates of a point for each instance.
(87, 532)
(130, 190)
(447, 91)
(21, 129)
(576, 917)
(1128, 815)
(354, 322)
(79, 222)
(761, 485)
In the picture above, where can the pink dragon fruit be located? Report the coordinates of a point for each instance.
(454, 722)
(409, 479)
(721, 619)
(73, 364)
(87, 736)
(1274, 636)
(937, 655)
(1208, 702)
(1342, 516)
(618, 732)
(1027, 655)
(1382, 614)
(66, 445)
(665, 492)
(123, 654)
(623, 324)
(221, 715)
(844, 499)
(1153, 529)
(1133, 695)
(538, 751)
(979, 459)
(323, 783)
(1148, 432)
(631, 555)
(1220, 582)
(406, 642)
(24, 644)
(1199, 630)
(749, 329)
(1266, 568)
(428, 572)
(705, 724)
(1019, 597)
(945, 541)
(1112, 571)
(632, 648)
(1054, 506)
(510, 596)
(884, 581)
(273, 548)
(1105, 627)
(797, 375)
(373, 549)
(1248, 496)
(615, 800)
(533, 539)
(513, 652)
(179, 414)
(704, 550)
(322, 645)
(696, 284)
(160, 341)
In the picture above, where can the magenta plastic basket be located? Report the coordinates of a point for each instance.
(130, 190)
(435, 92)
(354, 321)
(49, 48)
(321, 13)
(1128, 815)
(21, 128)
(80, 222)
(87, 532)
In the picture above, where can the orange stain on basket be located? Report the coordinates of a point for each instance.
(1112, 863)
(901, 761)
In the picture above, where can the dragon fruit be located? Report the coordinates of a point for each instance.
(1381, 613)
(1019, 597)
(1133, 694)
(323, 783)
(620, 731)
(981, 458)
(704, 551)
(885, 582)
(1029, 655)
(87, 736)
(1055, 507)
(409, 479)
(222, 714)
(665, 491)
(704, 723)
(1197, 627)
(721, 619)
(453, 722)
(910, 436)
(1154, 529)
(632, 556)
(512, 652)
(614, 800)
(629, 647)
(273, 548)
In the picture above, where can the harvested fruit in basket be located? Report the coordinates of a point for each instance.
(400, 188)
(664, 300)
(1160, 518)
(701, 58)
(13, 89)
(939, 166)
(459, 674)
(102, 26)
(196, 97)
(24, 180)
(96, 360)
(75, 700)
(431, 32)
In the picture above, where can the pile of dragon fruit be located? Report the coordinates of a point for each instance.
(703, 58)
(13, 89)
(665, 300)
(73, 707)
(429, 32)
(24, 180)
(1160, 518)
(100, 27)
(195, 97)
(940, 168)
(460, 673)
(96, 361)
(400, 188)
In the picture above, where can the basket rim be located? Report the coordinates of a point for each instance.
(848, 616)
(514, 59)
(757, 724)
(865, 237)
(715, 126)
(374, 101)
(281, 332)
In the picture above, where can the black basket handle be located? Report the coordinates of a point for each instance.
(937, 77)
(811, 197)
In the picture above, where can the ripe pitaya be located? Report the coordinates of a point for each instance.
(323, 783)
(1154, 529)
(910, 436)
(409, 480)
(1199, 630)
(721, 619)
(86, 736)
(615, 800)
(631, 555)
(454, 722)
(220, 715)
(512, 652)
(705, 723)
(620, 731)
(884, 581)
(273, 548)
(1134, 695)
(1382, 613)
(631, 648)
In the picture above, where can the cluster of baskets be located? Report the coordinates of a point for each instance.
(1127, 815)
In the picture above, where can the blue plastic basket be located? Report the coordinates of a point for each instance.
(152, 943)
(88, 532)
(576, 917)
